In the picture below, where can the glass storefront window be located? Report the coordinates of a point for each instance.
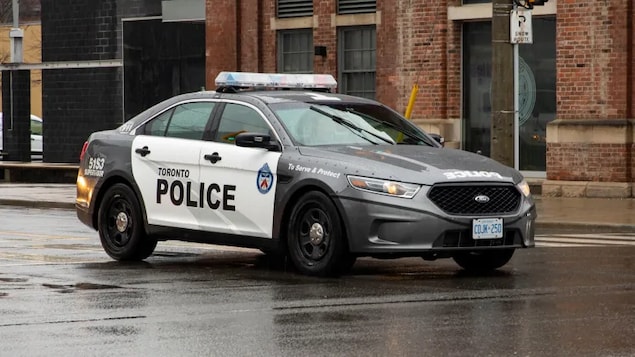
(537, 90)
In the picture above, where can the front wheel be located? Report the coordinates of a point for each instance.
(481, 261)
(315, 239)
(120, 225)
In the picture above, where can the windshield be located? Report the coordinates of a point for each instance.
(311, 124)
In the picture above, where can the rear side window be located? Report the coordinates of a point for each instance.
(187, 121)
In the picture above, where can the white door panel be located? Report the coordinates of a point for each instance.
(246, 181)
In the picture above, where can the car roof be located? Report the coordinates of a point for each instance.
(251, 95)
(277, 96)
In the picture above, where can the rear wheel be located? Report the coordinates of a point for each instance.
(315, 238)
(483, 260)
(120, 225)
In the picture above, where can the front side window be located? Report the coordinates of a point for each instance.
(36, 127)
(187, 121)
(238, 119)
(295, 51)
(357, 46)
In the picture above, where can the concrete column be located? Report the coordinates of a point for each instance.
(221, 38)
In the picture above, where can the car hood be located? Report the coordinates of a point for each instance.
(413, 163)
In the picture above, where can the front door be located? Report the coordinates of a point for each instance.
(240, 182)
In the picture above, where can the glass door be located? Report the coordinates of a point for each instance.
(537, 91)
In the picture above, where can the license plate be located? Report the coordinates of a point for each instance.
(487, 228)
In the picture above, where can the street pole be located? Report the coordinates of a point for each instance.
(502, 129)
(16, 34)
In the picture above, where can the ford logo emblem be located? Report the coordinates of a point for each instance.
(481, 199)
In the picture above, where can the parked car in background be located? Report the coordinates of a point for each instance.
(36, 134)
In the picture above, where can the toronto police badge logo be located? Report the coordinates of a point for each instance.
(265, 179)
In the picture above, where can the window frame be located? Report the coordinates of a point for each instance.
(342, 71)
(282, 53)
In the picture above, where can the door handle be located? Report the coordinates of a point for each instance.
(142, 151)
(213, 158)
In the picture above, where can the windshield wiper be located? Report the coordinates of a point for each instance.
(350, 125)
(390, 125)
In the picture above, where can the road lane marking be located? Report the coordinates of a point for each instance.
(585, 239)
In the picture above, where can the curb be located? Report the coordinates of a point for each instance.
(37, 204)
(589, 227)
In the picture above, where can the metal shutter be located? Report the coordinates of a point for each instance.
(294, 8)
(356, 6)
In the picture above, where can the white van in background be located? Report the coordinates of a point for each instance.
(36, 134)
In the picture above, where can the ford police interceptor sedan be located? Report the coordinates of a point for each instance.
(315, 177)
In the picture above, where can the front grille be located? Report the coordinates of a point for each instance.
(462, 199)
(463, 239)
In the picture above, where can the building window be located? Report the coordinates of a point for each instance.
(356, 56)
(294, 8)
(356, 6)
(295, 51)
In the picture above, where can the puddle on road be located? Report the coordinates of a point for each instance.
(69, 288)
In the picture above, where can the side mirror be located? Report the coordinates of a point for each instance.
(438, 138)
(257, 140)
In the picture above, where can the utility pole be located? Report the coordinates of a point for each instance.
(502, 129)
(16, 34)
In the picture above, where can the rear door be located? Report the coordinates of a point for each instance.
(165, 164)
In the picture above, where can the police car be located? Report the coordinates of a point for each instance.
(314, 177)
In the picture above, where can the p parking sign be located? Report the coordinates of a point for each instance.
(520, 26)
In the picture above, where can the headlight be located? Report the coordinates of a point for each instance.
(390, 188)
(523, 186)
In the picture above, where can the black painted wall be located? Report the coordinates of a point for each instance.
(16, 102)
(77, 102)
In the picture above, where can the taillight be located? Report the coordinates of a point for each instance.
(84, 148)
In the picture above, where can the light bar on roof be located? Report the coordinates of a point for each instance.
(275, 80)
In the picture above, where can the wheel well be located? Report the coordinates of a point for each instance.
(111, 181)
(293, 200)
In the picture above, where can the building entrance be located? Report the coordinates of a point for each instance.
(537, 90)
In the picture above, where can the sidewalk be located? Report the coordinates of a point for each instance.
(565, 213)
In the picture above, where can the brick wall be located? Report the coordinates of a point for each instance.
(415, 44)
(592, 57)
(221, 29)
(325, 35)
(594, 83)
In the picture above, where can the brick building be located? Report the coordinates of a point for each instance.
(576, 79)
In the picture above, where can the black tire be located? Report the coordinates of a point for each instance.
(483, 261)
(315, 239)
(120, 226)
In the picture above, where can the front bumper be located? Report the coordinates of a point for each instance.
(378, 224)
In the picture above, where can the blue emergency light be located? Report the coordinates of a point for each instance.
(275, 80)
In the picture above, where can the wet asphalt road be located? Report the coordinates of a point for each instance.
(61, 295)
